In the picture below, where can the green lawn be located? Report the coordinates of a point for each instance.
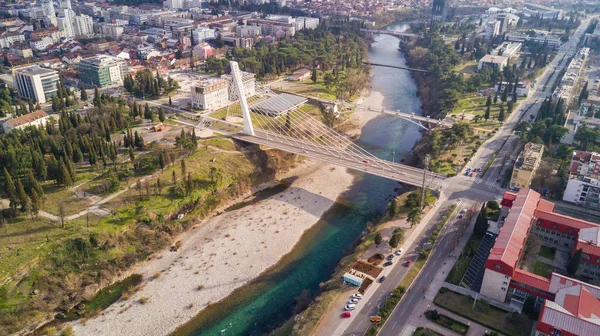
(484, 314)
(547, 252)
(222, 143)
(459, 269)
(448, 322)
(542, 269)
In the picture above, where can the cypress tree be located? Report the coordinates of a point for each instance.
(573, 264)
(161, 115)
(481, 224)
(21, 195)
(11, 190)
(36, 203)
(487, 113)
(501, 114)
(83, 94)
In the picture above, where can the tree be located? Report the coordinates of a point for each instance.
(183, 168)
(161, 115)
(170, 101)
(573, 264)
(11, 189)
(21, 195)
(147, 112)
(83, 94)
(97, 98)
(394, 241)
(501, 113)
(378, 239)
(6, 62)
(36, 204)
(414, 216)
(488, 102)
(481, 223)
(529, 305)
(313, 76)
(486, 116)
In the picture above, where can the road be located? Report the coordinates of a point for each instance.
(467, 190)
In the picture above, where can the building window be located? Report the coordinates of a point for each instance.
(499, 267)
(556, 332)
(503, 289)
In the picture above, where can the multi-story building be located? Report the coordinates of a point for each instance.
(495, 62)
(248, 31)
(583, 187)
(304, 22)
(507, 49)
(521, 88)
(109, 29)
(83, 25)
(102, 70)
(36, 83)
(215, 93)
(210, 94)
(526, 165)
(275, 28)
(201, 34)
(35, 118)
(174, 4)
(7, 39)
(529, 214)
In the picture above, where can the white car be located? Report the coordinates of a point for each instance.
(352, 301)
(350, 307)
(357, 296)
(399, 252)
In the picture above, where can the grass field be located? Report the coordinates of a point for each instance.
(542, 269)
(484, 314)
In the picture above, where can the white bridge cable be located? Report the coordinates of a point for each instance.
(298, 128)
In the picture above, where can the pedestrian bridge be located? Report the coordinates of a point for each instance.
(415, 119)
(295, 129)
(392, 33)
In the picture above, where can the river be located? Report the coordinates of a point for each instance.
(264, 304)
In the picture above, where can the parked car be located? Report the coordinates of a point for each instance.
(350, 307)
(399, 252)
(357, 296)
(408, 262)
(345, 314)
(352, 301)
(389, 263)
(390, 257)
(382, 279)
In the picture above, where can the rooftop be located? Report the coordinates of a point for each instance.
(27, 118)
(36, 70)
(529, 157)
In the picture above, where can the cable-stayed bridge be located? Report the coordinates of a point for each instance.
(282, 121)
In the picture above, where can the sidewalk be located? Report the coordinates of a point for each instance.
(368, 295)
(427, 303)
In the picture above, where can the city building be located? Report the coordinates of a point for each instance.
(565, 89)
(574, 311)
(303, 22)
(583, 187)
(214, 93)
(203, 51)
(102, 70)
(531, 217)
(539, 37)
(201, 34)
(35, 118)
(109, 29)
(507, 49)
(248, 31)
(174, 4)
(494, 62)
(438, 10)
(36, 83)
(521, 88)
(536, 10)
(210, 94)
(526, 165)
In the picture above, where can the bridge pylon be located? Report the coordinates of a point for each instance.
(236, 74)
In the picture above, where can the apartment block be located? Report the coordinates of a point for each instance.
(525, 166)
(215, 93)
(583, 187)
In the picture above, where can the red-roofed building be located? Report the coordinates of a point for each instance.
(503, 280)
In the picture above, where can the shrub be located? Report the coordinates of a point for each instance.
(144, 300)
(444, 290)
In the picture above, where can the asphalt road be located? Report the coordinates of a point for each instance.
(470, 190)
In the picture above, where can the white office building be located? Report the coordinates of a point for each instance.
(201, 34)
(36, 83)
(303, 22)
(215, 93)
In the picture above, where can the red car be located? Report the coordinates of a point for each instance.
(408, 263)
(345, 315)
(365, 161)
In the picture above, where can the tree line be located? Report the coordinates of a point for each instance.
(145, 85)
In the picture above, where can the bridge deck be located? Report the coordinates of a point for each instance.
(368, 164)
(405, 115)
